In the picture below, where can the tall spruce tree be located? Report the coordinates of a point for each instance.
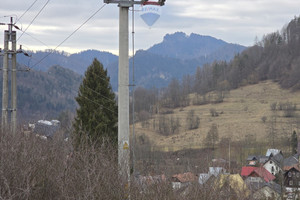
(97, 115)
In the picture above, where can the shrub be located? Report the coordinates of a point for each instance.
(214, 112)
(263, 119)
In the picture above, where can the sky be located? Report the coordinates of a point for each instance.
(234, 21)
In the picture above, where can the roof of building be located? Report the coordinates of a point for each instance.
(254, 186)
(46, 128)
(246, 171)
(288, 168)
(252, 157)
(263, 173)
(213, 171)
(278, 159)
(292, 160)
(259, 171)
(185, 177)
(203, 178)
(263, 159)
(273, 152)
(216, 170)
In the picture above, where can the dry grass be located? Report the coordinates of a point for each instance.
(240, 115)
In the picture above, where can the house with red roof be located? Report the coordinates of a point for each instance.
(256, 174)
(263, 173)
(246, 171)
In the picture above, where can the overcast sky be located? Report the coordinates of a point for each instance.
(234, 21)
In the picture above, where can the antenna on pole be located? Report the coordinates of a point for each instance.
(123, 88)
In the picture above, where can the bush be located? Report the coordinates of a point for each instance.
(273, 106)
(263, 119)
(214, 112)
(32, 168)
(192, 120)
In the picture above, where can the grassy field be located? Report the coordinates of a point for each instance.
(240, 118)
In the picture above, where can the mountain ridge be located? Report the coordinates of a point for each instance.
(167, 55)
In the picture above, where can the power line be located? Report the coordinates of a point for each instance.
(23, 32)
(34, 18)
(71, 34)
(99, 94)
(26, 11)
(76, 93)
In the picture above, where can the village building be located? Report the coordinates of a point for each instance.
(183, 180)
(266, 191)
(211, 175)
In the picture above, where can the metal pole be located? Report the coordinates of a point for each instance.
(5, 82)
(14, 84)
(123, 93)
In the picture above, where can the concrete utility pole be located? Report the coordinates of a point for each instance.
(10, 54)
(5, 82)
(14, 84)
(123, 88)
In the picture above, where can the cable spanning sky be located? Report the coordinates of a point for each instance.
(234, 21)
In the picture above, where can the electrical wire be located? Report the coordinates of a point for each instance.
(26, 11)
(23, 32)
(34, 18)
(94, 101)
(100, 94)
(70, 34)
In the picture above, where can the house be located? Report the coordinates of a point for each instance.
(182, 180)
(266, 191)
(46, 129)
(292, 176)
(263, 173)
(252, 160)
(246, 171)
(212, 173)
(291, 181)
(273, 165)
(272, 161)
(256, 174)
(273, 152)
(233, 185)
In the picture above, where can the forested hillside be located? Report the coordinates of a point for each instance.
(44, 95)
(276, 57)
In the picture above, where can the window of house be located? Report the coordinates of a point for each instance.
(299, 183)
(290, 182)
(271, 162)
(290, 174)
(272, 169)
(298, 174)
